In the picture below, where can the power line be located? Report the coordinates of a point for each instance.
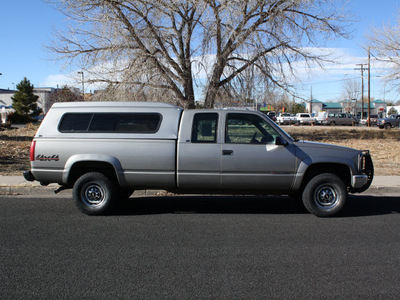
(337, 80)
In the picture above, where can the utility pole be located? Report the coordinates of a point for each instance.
(311, 103)
(83, 85)
(362, 69)
(369, 87)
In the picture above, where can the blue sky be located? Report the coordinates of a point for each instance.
(26, 26)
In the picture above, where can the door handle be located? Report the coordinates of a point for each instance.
(227, 152)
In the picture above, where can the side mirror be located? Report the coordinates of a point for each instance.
(280, 141)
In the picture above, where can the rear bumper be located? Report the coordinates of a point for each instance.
(29, 176)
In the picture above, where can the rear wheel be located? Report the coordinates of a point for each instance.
(94, 194)
(325, 195)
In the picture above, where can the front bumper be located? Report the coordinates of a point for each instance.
(361, 182)
(358, 181)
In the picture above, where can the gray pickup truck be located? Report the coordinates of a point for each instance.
(391, 122)
(106, 150)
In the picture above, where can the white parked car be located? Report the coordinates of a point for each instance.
(304, 119)
(285, 119)
(320, 117)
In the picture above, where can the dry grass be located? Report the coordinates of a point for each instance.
(383, 144)
(14, 149)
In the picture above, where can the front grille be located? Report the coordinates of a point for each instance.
(366, 165)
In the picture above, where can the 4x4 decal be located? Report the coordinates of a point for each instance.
(48, 158)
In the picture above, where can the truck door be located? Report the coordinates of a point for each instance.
(250, 158)
(199, 151)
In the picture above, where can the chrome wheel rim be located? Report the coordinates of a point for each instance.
(326, 197)
(93, 194)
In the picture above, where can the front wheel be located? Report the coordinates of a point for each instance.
(94, 194)
(325, 195)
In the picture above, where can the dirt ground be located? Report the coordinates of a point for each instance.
(383, 144)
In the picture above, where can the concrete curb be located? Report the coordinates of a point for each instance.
(49, 191)
(17, 185)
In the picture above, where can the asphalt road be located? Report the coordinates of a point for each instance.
(199, 248)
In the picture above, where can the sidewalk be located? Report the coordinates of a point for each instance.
(17, 185)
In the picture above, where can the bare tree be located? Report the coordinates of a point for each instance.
(170, 45)
(384, 44)
(351, 89)
(126, 92)
(351, 94)
(65, 94)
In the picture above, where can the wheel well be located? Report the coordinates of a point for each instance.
(80, 168)
(342, 171)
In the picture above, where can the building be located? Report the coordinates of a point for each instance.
(5, 97)
(43, 93)
(377, 107)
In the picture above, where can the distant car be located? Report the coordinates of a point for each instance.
(304, 119)
(285, 119)
(341, 119)
(390, 122)
(320, 117)
(272, 115)
(373, 122)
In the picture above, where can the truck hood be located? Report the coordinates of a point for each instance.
(310, 153)
(323, 146)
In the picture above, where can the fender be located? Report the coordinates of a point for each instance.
(94, 158)
(306, 161)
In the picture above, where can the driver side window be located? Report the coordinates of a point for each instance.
(242, 128)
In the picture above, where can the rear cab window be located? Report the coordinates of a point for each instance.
(205, 127)
(110, 122)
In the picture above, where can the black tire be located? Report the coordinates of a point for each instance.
(325, 195)
(387, 126)
(94, 194)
